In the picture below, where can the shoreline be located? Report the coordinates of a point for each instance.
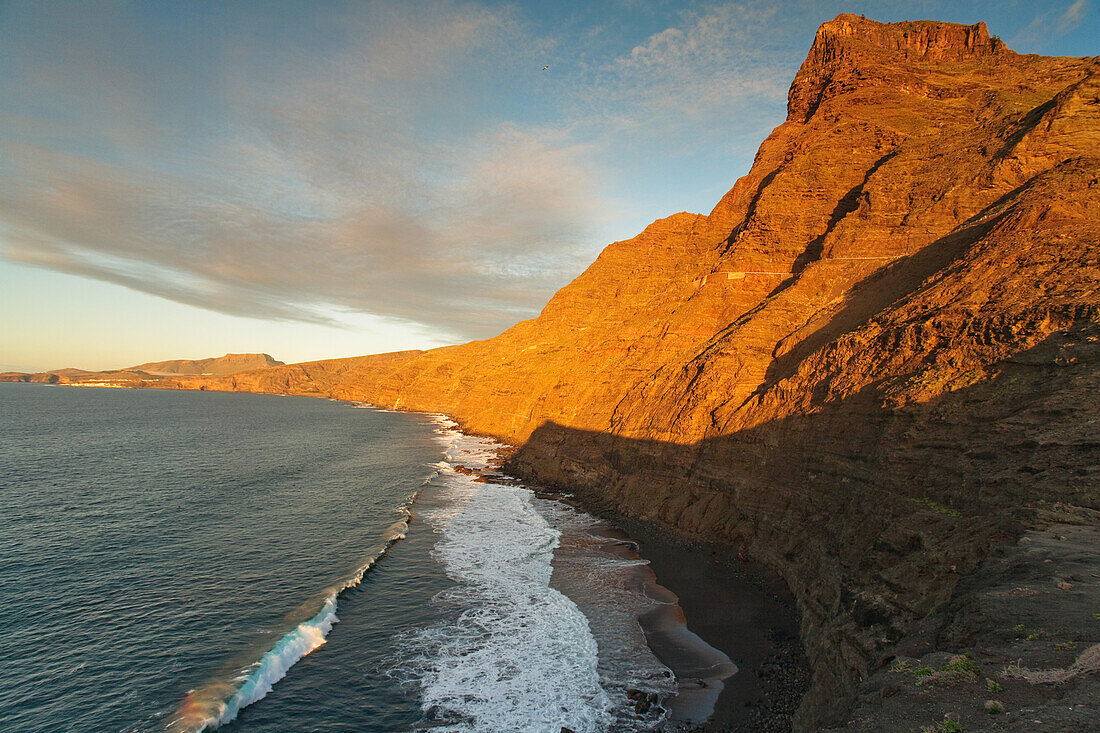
(744, 610)
(701, 670)
(740, 608)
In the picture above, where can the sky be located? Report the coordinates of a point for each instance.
(326, 179)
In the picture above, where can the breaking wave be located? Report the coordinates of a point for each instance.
(220, 701)
(512, 653)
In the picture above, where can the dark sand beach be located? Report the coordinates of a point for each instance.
(736, 605)
(741, 609)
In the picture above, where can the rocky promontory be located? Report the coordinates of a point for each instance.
(217, 366)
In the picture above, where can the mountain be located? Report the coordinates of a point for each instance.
(870, 365)
(148, 374)
(216, 366)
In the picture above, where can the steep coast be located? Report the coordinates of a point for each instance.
(872, 363)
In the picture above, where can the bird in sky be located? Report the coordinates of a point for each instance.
(544, 68)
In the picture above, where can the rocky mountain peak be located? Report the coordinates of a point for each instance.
(848, 49)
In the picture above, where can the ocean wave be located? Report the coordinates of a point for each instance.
(611, 585)
(220, 701)
(546, 593)
(507, 632)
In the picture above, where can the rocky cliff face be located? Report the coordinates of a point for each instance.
(866, 366)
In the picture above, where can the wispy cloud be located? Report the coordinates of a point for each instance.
(405, 160)
(708, 65)
(468, 263)
(304, 183)
(1052, 24)
(711, 56)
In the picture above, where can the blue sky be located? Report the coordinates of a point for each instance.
(182, 179)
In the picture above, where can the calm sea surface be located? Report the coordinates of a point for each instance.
(188, 560)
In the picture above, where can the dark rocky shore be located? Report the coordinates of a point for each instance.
(733, 603)
(1016, 648)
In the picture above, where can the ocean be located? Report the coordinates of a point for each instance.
(186, 561)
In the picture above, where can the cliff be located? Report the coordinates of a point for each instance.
(867, 366)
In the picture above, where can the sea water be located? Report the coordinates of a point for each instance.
(187, 561)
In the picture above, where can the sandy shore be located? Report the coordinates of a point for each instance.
(745, 611)
(739, 607)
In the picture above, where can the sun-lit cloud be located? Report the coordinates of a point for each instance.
(353, 179)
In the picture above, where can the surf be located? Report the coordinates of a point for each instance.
(545, 592)
(220, 701)
(505, 630)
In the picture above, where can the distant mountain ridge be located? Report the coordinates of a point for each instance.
(216, 366)
(150, 372)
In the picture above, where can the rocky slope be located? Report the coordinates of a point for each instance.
(865, 367)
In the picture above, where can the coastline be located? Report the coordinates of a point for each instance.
(746, 611)
(739, 607)
(742, 609)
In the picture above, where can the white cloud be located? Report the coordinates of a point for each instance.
(308, 183)
(409, 161)
(710, 65)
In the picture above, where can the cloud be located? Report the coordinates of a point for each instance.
(299, 181)
(405, 160)
(709, 66)
(1052, 24)
(482, 255)
(1074, 14)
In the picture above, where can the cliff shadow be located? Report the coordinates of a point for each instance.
(847, 204)
(871, 513)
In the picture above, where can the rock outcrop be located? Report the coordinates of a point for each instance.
(865, 367)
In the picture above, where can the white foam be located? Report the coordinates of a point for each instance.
(511, 633)
(219, 702)
(515, 653)
(602, 576)
(273, 666)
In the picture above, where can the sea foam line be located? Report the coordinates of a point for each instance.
(219, 702)
(510, 653)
